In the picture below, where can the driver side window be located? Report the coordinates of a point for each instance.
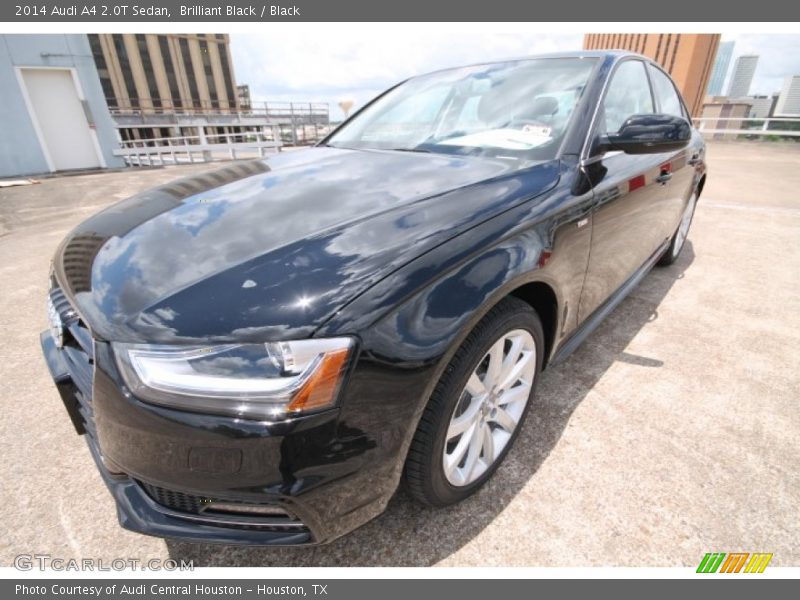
(628, 94)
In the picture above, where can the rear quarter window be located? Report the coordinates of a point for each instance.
(666, 94)
(628, 94)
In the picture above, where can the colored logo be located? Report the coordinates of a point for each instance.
(735, 562)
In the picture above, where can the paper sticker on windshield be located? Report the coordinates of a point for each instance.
(509, 139)
(538, 130)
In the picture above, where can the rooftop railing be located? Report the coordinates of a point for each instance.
(199, 148)
(269, 110)
(748, 127)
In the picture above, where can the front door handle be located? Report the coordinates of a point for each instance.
(664, 177)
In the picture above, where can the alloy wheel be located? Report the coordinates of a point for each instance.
(490, 407)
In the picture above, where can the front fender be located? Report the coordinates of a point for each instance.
(414, 320)
(419, 313)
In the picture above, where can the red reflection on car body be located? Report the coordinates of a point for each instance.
(635, 183)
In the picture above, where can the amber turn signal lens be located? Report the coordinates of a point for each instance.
(320, 389)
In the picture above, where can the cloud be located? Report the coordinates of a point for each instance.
(315, 64)
(779, 56)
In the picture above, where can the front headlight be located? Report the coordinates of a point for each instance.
(255, 381)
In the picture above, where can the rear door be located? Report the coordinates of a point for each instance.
(627, 226)
(679, 163)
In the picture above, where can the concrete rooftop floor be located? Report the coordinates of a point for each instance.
(672, 432)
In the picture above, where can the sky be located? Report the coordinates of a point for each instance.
(327, 64)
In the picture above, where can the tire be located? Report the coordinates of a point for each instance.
(681, 234)
(454, 401)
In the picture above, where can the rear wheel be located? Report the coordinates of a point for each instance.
(679, 239)
(478, 407)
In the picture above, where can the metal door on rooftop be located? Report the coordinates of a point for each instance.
(60, 119)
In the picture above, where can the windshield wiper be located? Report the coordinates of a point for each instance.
(410, 150)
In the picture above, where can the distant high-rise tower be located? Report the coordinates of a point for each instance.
(717, 82)
(687, 57)
(742, 76)
(243, 93)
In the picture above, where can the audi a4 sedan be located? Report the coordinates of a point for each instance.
(261, 354)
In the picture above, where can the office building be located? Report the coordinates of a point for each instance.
(761, 107)
(716, 84)
(788, 104)
(157, 73)
(733, 114)
(742, 76)
(54, 115)
(687, 57)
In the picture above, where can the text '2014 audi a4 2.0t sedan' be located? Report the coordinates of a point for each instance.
(263, 353)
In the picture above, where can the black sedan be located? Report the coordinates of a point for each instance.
(261, 354)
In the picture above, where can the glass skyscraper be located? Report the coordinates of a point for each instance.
(723, 60)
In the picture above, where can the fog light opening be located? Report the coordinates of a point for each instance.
(232, 508)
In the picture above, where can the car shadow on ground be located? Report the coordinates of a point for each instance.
(408, 534)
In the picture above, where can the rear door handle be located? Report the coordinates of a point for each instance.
(664, 177)
(694, 160)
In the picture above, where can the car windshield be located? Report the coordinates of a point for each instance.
(517, 110)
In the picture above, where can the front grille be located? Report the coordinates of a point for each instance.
(62, 305)
(78, 354)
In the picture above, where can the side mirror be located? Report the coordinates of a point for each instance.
(648, 134)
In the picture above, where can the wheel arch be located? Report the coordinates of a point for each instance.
(543, 299)
(700, 185)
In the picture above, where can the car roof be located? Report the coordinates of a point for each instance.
(602, 54)
(581, 54)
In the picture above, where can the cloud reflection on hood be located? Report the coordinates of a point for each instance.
(273, 250)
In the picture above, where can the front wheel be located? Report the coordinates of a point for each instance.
(478, 407)
(679, 239)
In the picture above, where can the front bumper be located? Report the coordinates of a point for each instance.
(318, 477)
(138, 512)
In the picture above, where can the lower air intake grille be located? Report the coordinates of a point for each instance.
(209, 512)
(175, 500)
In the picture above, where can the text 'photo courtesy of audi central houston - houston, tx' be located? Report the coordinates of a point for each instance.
(262, 354)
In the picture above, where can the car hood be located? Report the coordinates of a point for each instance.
(270, 249)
